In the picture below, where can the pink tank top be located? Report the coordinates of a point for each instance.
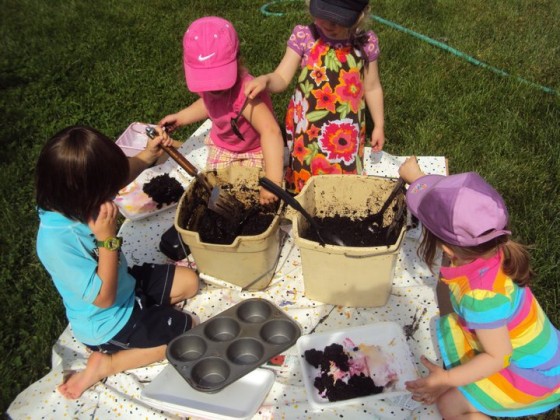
(222, 107)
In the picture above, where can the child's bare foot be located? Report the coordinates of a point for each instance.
(97, 368)
(101, 365)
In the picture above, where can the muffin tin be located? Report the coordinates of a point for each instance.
(231, 344)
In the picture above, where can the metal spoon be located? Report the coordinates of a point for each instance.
(377, 218)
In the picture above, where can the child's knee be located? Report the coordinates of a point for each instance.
(452, 403)
(186, 282)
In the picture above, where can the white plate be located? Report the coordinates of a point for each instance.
(388, 335)
(135, 204)
(240, 400)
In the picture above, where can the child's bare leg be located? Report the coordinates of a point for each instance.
(102, 365)
(453, 405)
(185, 284)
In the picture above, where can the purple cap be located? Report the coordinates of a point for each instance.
(210, 49)
(462, 209)
(343, 12)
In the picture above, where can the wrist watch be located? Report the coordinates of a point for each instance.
(112, 244)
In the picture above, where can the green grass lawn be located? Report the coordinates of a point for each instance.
(108, 63)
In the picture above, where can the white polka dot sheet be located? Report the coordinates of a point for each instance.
(412, 305)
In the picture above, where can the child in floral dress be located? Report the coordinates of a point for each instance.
(325, 120)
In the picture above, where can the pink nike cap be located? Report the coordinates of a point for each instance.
(210, 49)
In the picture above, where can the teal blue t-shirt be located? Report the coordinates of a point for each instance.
(68, 252)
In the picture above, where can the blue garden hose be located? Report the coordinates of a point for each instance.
(443, 46)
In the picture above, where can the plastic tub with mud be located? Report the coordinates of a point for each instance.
(354, 276)
(250, 260)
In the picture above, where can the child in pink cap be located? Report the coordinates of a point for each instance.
(500, 351)
(244, 131)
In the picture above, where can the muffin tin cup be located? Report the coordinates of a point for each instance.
(231, 344)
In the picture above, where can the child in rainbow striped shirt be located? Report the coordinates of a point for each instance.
(501, 352)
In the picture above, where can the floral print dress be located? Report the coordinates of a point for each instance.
(325, 120)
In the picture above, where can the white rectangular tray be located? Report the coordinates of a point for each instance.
(388, 335)
(240, 400)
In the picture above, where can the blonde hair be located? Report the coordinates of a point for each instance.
(357, 32)
(516, 262)
(361, 25)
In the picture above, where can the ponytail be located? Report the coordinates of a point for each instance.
(427, 250)
(516, 263)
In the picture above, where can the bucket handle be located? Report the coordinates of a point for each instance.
(376, 254)
(271, 269)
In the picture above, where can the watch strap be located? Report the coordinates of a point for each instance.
(112, 243)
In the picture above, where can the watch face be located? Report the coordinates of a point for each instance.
(113, 243)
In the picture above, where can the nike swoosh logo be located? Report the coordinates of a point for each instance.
(205, 57)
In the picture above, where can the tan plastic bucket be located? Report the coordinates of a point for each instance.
(340, 275)
(250, 261)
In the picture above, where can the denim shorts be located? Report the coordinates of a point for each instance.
(154, 321)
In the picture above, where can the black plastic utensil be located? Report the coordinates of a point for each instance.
(233, 121)
(285, 195)
(377, 218)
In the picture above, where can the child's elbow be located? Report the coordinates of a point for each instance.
(104, 302)
(278, 133)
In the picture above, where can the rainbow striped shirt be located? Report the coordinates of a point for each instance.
(483, 297)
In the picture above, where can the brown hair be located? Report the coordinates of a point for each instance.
(516, 262)
(79, 169)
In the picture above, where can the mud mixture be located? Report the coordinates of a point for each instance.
(163, 189)
(353, 231)
(349, 370)
(216, 229)
(356, 232)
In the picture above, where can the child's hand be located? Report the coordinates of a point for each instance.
(255, 86)
(266, 197)
(410, 170)
(170, 122)
(154, 145)
(377, 139)
(429, 388)
(105, 224)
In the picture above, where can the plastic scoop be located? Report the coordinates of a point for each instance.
(377, 218)
(285, 195)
